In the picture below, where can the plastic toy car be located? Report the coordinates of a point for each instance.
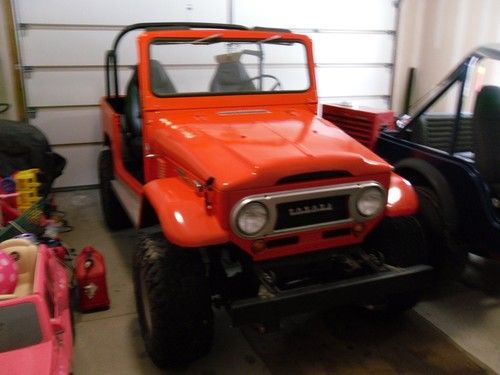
(35, 320)
(449, 149)
(246, 198)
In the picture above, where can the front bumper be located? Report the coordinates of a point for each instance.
(356, 290)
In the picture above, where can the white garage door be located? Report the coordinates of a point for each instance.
(62, 45)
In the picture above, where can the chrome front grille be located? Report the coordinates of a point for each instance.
(304, 209)
(306, 212)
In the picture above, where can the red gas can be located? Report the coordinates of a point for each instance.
(90, 273)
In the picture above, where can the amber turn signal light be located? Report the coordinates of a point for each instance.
(258, 246)
(358, 229)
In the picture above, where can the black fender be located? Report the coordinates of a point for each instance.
(420, 172)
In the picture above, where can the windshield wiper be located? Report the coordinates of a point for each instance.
(270, 39)
(206, 39)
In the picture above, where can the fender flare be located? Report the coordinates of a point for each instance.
(181, 213)
(420, 172)
(401, 198)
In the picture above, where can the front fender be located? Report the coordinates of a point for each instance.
(182, 214)
(402, 199)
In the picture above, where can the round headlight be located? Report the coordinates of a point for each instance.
(252, 218)
(370, 201)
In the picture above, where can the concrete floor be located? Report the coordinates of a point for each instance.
(460, 332)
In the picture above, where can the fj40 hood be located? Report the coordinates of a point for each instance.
(250, 148)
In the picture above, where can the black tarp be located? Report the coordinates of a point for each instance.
(23, 146)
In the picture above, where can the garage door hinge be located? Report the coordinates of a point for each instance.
(23, 28)
(27, 70)
(31, 112)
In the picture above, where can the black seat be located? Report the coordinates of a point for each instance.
(160, 82)
(231, 75)
(161, 85)
(486, 124)
(133, 124)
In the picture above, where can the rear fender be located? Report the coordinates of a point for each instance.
(182, 214)
(402, 199)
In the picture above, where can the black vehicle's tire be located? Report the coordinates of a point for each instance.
(114, 215)
(447, 254)
(401, 242)
(173, 302)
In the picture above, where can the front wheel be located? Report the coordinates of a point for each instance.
(401, 242)
(173, 302)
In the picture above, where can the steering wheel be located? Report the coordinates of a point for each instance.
(277, 83)
(4, 107)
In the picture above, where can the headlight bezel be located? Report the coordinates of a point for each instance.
(373, 189)
(271, 200)
(242, 210)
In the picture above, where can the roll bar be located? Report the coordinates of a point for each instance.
(111, 59)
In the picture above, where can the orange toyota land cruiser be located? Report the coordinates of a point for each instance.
(245, 198)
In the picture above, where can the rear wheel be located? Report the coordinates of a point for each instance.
(447, 254)
(114, 215)
(173, 302)
(401, 243)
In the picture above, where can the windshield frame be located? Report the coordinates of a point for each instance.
(149, 102)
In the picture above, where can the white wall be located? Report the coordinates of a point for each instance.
(435, 34)
(7, 83)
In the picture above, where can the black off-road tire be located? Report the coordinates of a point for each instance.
(447, 252)
(402, 243)
(173, 302)
(114, 215)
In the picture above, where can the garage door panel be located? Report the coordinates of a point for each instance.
(69, 86)
(55, 47)
(81, 167)
(352, 48)
(61, 124)
(120, 12)
(87, 47)
(317, 14)
(353, 81)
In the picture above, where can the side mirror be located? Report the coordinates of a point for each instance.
(402, 121)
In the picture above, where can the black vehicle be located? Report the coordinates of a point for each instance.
(449, 149)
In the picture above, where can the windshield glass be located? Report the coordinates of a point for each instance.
(212, 66)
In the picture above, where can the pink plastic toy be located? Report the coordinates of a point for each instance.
(35, 320)
(8, 273)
